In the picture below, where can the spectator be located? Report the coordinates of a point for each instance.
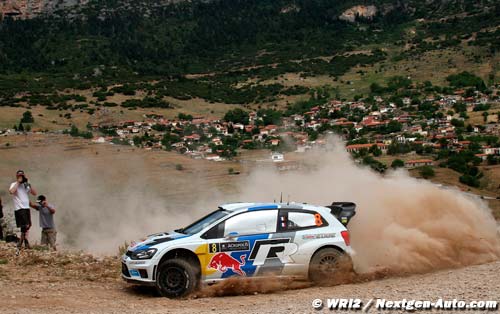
(46, 212)
(20, 191)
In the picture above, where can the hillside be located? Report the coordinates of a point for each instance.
(243, 52)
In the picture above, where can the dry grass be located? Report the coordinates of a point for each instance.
(476, 117)
(58, 265)
(434, 66)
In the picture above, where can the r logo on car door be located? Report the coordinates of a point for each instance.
(272, 248)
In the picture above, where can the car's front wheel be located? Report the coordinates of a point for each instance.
(326, 264)
(176, 278)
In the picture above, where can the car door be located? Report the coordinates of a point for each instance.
(301, 227)
(238, 247)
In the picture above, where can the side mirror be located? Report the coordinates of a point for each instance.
(231, 235)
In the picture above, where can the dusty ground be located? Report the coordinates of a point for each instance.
(43, 282)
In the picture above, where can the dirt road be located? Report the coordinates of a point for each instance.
(42, 282)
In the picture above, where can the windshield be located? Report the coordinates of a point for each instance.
(204, 222)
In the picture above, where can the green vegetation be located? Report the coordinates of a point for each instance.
(75, 132)
(397, 163)
(464, 162)
(27, 117)
(243, 47)
(426, 172)
(466, 79)
(236, 116)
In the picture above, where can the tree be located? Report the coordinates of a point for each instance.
(466, 79)
(457, 123)
(485, 116)
(20, 127)
(270, 116)
(426, 172)
(237, 115)
(74, 131)
(27, 117)
(137, 140)
(183, 116)
(397, 163)
(375, 151)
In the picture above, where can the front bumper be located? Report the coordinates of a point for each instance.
(139, 271)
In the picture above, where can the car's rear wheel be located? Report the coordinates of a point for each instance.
(326, 263)
(176, 278)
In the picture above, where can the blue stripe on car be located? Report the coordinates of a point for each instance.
(262, 207)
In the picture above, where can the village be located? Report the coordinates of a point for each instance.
(218, 139)
(379, 128)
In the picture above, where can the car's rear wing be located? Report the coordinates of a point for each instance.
(343, 211)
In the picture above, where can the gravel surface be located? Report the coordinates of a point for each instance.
(38, 283)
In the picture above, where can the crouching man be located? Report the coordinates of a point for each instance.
(46, 213)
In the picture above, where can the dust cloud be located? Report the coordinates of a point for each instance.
(106, 203)
(402, 224)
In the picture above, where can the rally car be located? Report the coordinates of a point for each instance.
(244, 240)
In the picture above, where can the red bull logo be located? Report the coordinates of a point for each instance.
(224, 262)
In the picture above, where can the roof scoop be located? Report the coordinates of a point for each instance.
(343, 211)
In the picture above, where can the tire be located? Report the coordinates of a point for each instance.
(326, 264)
(176, 278)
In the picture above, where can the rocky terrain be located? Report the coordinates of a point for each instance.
(25, 9)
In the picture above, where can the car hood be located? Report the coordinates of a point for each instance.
(155, 239)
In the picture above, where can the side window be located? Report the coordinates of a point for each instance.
(296, 220)
(255, 222)
(215, 232)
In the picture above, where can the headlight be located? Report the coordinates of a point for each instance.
(144, 254)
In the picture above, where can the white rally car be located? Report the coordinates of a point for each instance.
(243, 239)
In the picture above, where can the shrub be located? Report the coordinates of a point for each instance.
(426, 172)
(397, 163)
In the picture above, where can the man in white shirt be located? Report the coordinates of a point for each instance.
(20, 191)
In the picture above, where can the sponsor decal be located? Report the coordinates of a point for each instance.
(229, 246)
(318, 236)
(224, 262)
(272, 248)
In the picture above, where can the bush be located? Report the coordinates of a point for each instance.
(397, 163)
(374, 164)
(470, 180)
(426, 172)
(179, 167)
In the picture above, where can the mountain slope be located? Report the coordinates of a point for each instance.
(109, 41)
